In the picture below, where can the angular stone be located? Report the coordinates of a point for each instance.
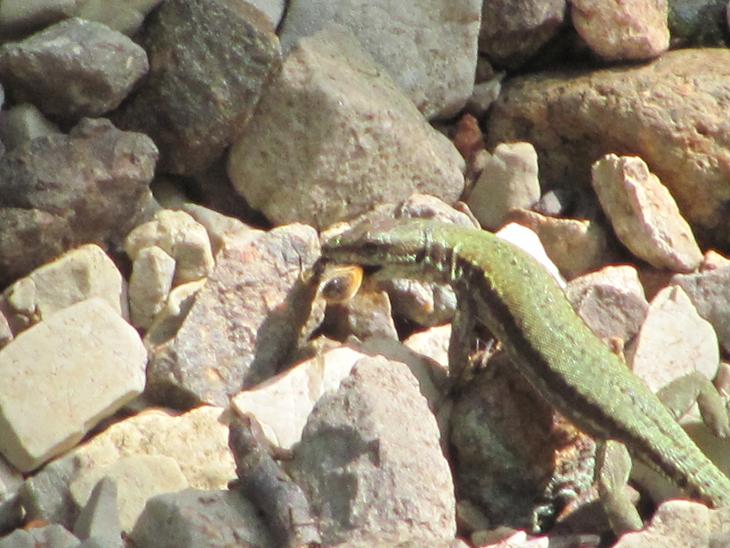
(622, 30)
(428, 49)
(197, 440)
(62, 376)
(19, 16)
(99, 518)
(52, 536)
(76, 276)
(126, 17)
(11, 511)
(641, 110)
(61, 191)
(169, 319)
(139, 478)
(672, 323)
(243, 323)
(181, 237)
(513, 31)
(508, 181)
(209, 63)
(364, 143)
(357, 464)
(200, 519)
(611, 301)
(149, 285)
(23, 123)
(301, 387)
(643, 214)
(103, 65)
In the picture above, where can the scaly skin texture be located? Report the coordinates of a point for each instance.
(558, 354)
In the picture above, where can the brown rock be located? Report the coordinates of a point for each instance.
(671, 113)
(63, 190)
(209, 62)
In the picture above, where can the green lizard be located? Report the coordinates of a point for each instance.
(505, 289)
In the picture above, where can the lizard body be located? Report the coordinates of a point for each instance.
(553, 348)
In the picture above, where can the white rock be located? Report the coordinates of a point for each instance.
(59, 378)
(138, 478)
(181, 237)
(527, 240)
(152, 274)
(169, 319)
(80, 274)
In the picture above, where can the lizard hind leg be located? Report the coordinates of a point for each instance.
(613, 468)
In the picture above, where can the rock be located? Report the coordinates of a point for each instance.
(697, 23)
(197, 440)
(365, 434)
(125, 17)
(508, 180)
(644, 215)
(149, 285)
(52, 536)
(23, 123)
(103, 65)
(527, 240)
(483, 95)
(99, 519)
(673, 323)
(139, 477)
(20, 16)
(6, 334)
(11, 511)
(428, 49)
(372, 145)
(272, 9)
(301, 387)
(200, 519)
(243, 323)
(209, 63)
(611, 301)
(681, 523)
(639, 110)
(576, 246)
(59, 381)
(468, 138)
(181, 237)
(221, 229)
(368, 313)
(75, 276)
(710, 293)
(61, 191)
(622, 31)
(512, 32)
(519, 461)
(169, 319)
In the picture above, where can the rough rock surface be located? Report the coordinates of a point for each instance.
(60, 191)
(671, 113)
(126, 17)
(370, 461)
(429, 48)
(243, 323)
(62, 376)
(103, 65)
(335, 135)
(209, 63)
(197, 440)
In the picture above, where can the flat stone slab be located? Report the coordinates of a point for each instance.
(59, 378)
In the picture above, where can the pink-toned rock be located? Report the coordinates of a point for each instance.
(622, 29)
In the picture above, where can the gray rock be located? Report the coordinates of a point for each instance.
(11, 511)
(428, 48)
(50, 536)
(244, 321)
(125, 16)
(21, 16)
(99, 519)
(60, 191)
(210, 61)
(698, 23)
(200, 519)
(272, 9)
(22, 123)
(103, 65)
(513, 31)
(364, 143)
(64, 375)
(370, 461)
